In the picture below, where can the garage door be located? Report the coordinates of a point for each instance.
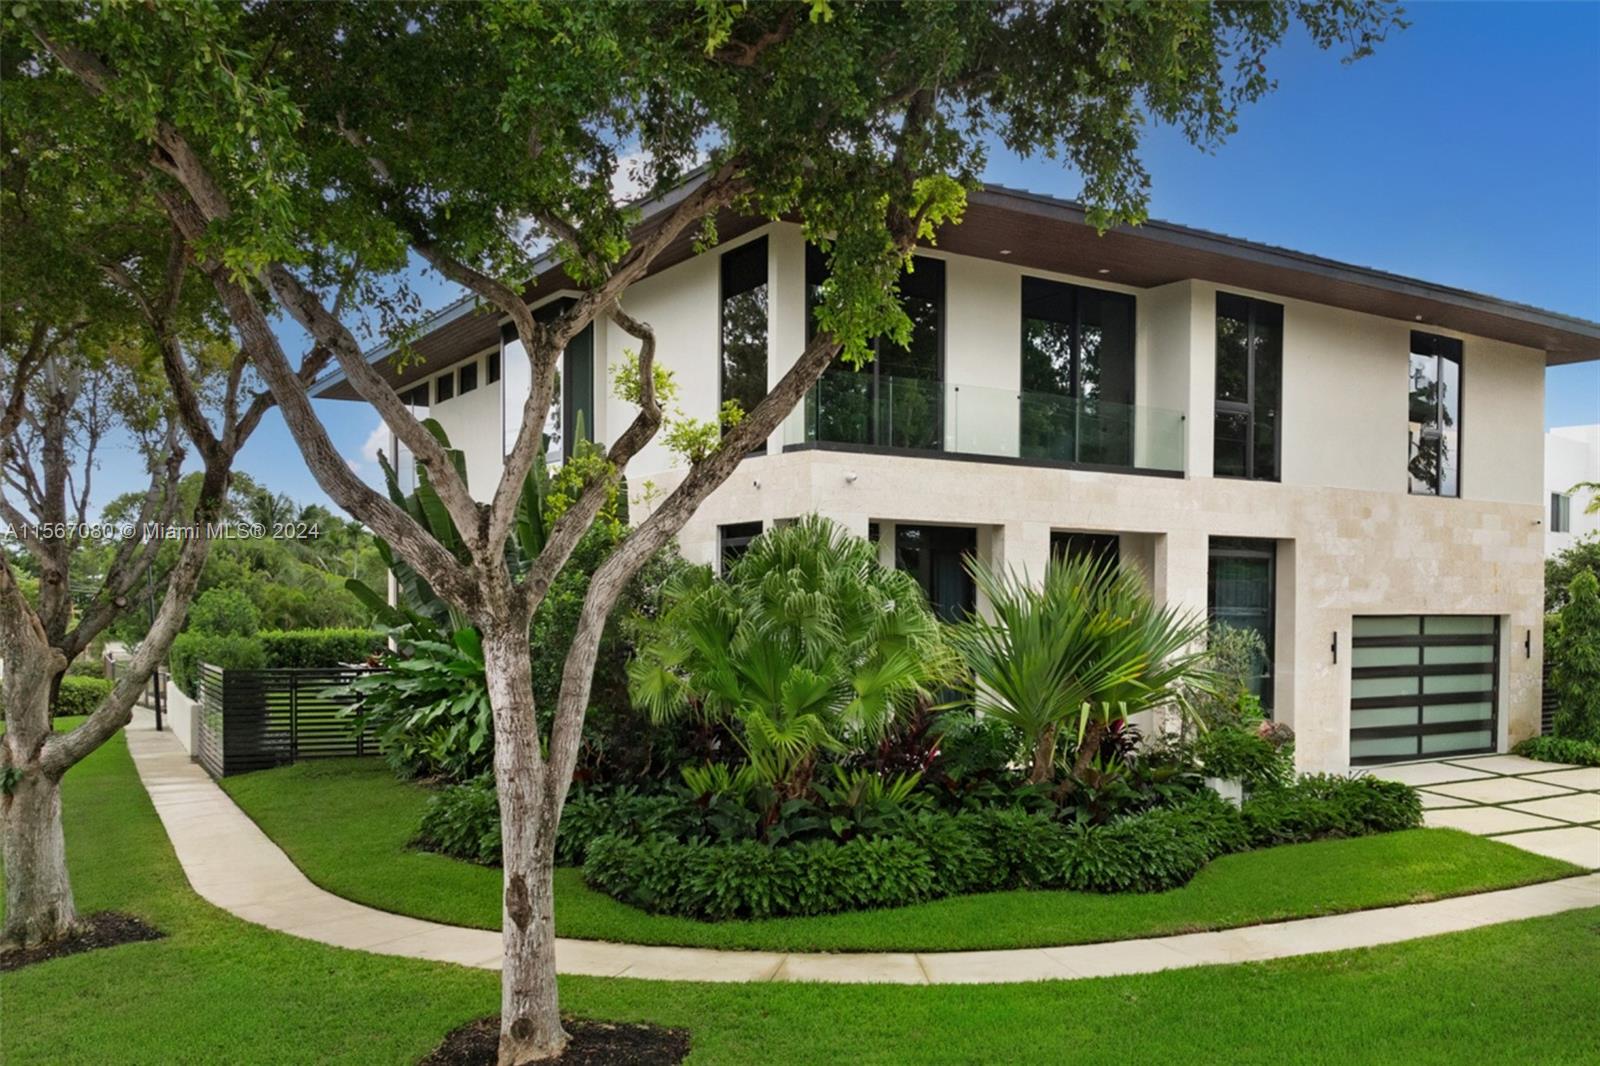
(1423, 686)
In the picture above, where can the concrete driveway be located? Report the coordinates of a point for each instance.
(1543, 807)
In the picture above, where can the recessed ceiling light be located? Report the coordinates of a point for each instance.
(1419, 318)
(1103, 270)
(1005, 251)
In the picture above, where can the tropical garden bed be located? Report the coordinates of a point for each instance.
(220, 989)
(349, 824)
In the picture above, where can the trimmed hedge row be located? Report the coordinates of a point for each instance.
(80, 695)
(943, 855)
(295, 648)
(1560, 749)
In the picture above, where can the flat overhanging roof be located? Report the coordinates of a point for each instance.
(1045, 233)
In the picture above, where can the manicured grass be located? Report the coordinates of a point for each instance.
(346, 824)
(220, 990)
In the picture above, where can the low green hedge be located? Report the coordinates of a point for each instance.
(80, 695)
(290, 648)
(307, 648)
(189, 650)
(1560, 749)
(943, 854)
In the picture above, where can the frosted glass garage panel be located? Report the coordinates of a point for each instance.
(1450, 654)
(1365, 688)
(1378, 717)
(1364, 657)
(1443, 625)
(1383, 748)
(1443, 683)
(1443, 742)
(1401, 625)
(1481, 711)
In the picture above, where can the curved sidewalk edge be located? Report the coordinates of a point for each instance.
(234, 865)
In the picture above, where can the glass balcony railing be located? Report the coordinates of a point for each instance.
(922, 415)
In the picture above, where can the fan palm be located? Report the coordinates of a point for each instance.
(806, 645)
(1084, 648)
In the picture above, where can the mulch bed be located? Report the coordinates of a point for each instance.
(104, 930)
(593, 1044)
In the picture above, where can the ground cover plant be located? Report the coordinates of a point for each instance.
(363, 850)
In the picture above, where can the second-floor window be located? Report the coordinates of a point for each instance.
(744, 325)
(1560, 513)
(1434, 465)
(896, 400)
(1249, 387)
(1077, 373)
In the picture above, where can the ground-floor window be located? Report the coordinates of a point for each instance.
(1241, 590)
(734, 540)
(1100, 546)
(1423, 686)
(937, 556)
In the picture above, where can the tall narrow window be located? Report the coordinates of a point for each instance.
(571, 415)
(937, 556)
(1434, 465)
(1241, 593)
(744, 325)
(1077, 373)
(1249, 387)
(467, 378)
(444, 388)
(896, 400)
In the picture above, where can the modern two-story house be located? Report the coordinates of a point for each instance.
(1347, 461)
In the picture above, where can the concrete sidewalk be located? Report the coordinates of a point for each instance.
(234, 865)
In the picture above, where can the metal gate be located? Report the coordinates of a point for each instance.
(1423, 686)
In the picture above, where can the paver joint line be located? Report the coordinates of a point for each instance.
(178, 786)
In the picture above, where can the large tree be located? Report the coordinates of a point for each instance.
(108, 340)
(302, 146)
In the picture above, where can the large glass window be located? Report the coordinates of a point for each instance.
(1240, 592)
(1077, 373)
(1434, 465)
(744, 325)
(1249, 387)
(896, 400)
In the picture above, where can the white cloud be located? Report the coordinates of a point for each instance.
(365, 461)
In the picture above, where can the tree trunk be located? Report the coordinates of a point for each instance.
(39, 905)
(530, 1013)
(1093, 734)
(1044, 756)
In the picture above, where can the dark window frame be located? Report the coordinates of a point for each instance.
(728, 260)
(816, 272)
(467, 377)
(491, 367)
(1074, 543)
(1247, 407)
(1250, 548)
(1074, 293)
(444, 387)
(1457, 349)
(1560, 512)
(547, 313)
(733, 540)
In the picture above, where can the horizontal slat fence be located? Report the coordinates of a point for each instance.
(258, 719)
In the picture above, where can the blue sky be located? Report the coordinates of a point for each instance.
(1466, 151)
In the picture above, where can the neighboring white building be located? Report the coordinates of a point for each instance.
(1571, 456)
(1349, 461)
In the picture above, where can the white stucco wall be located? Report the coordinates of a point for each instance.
(1571, 455)
(1351, 541)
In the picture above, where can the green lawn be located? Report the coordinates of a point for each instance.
(346, 822)
(220, 990)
